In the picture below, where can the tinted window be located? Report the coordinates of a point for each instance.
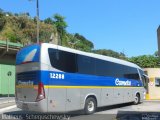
(61, 60)
(86, 65)
(70, 62)
(101, 68)
(106, 68)
(131, 73)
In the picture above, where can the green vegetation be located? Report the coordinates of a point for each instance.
(21, 28)
(110, 53)
(146, 61)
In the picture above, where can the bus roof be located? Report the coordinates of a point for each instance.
(107, 58)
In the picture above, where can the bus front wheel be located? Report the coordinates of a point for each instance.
(137, 99)
(90, 105)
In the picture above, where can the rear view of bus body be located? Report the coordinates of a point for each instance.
(30, 91)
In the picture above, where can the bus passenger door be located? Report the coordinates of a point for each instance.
(73, 99)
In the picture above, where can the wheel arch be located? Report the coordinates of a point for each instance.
(91, 95)
(138, 93)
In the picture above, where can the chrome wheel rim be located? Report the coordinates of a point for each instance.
(90, 106)
(136, 99)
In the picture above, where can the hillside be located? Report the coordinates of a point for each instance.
(22, 28)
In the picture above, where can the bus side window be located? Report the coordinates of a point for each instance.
(62, 60)
(57, 54)
(86, 65)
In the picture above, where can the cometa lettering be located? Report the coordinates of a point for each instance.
(122, 83)
(26, 83)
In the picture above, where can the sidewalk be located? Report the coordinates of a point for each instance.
(4, 100)
(152, 100)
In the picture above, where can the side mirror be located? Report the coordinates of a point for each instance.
(146, 78)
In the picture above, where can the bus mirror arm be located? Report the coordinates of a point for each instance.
(145, 76)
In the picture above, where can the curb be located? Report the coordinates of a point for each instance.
(151, 100)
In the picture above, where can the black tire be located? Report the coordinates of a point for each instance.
(90, 105)
(136, 99)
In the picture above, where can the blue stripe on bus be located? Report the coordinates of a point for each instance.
(75, 79)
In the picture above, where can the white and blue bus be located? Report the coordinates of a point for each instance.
(52, 78)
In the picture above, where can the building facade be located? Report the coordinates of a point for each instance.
(153, 83)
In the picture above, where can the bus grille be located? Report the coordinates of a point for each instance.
(27, 76)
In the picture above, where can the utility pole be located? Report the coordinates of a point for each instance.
(37, 21)
(37, 9)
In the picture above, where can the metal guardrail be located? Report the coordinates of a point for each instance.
(5, 44)
(7, 47)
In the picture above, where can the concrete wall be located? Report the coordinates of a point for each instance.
(154, 91)
(7, 83)
(7, 79)
(8, 52)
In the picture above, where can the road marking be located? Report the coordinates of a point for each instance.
(7, 108)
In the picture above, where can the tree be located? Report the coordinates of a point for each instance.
(84, 40)
(1, 12)
(61, 25)
(49, 21)
(146, 61)
(2, 19)
(22, 21)
(110, 53)
(156, 54)
(45, 31)
(10, 34)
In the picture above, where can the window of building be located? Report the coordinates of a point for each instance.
(157, 82)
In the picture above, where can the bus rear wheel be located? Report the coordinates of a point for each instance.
(90, 105)
(136, 99)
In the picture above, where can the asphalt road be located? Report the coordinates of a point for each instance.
(143, 111)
